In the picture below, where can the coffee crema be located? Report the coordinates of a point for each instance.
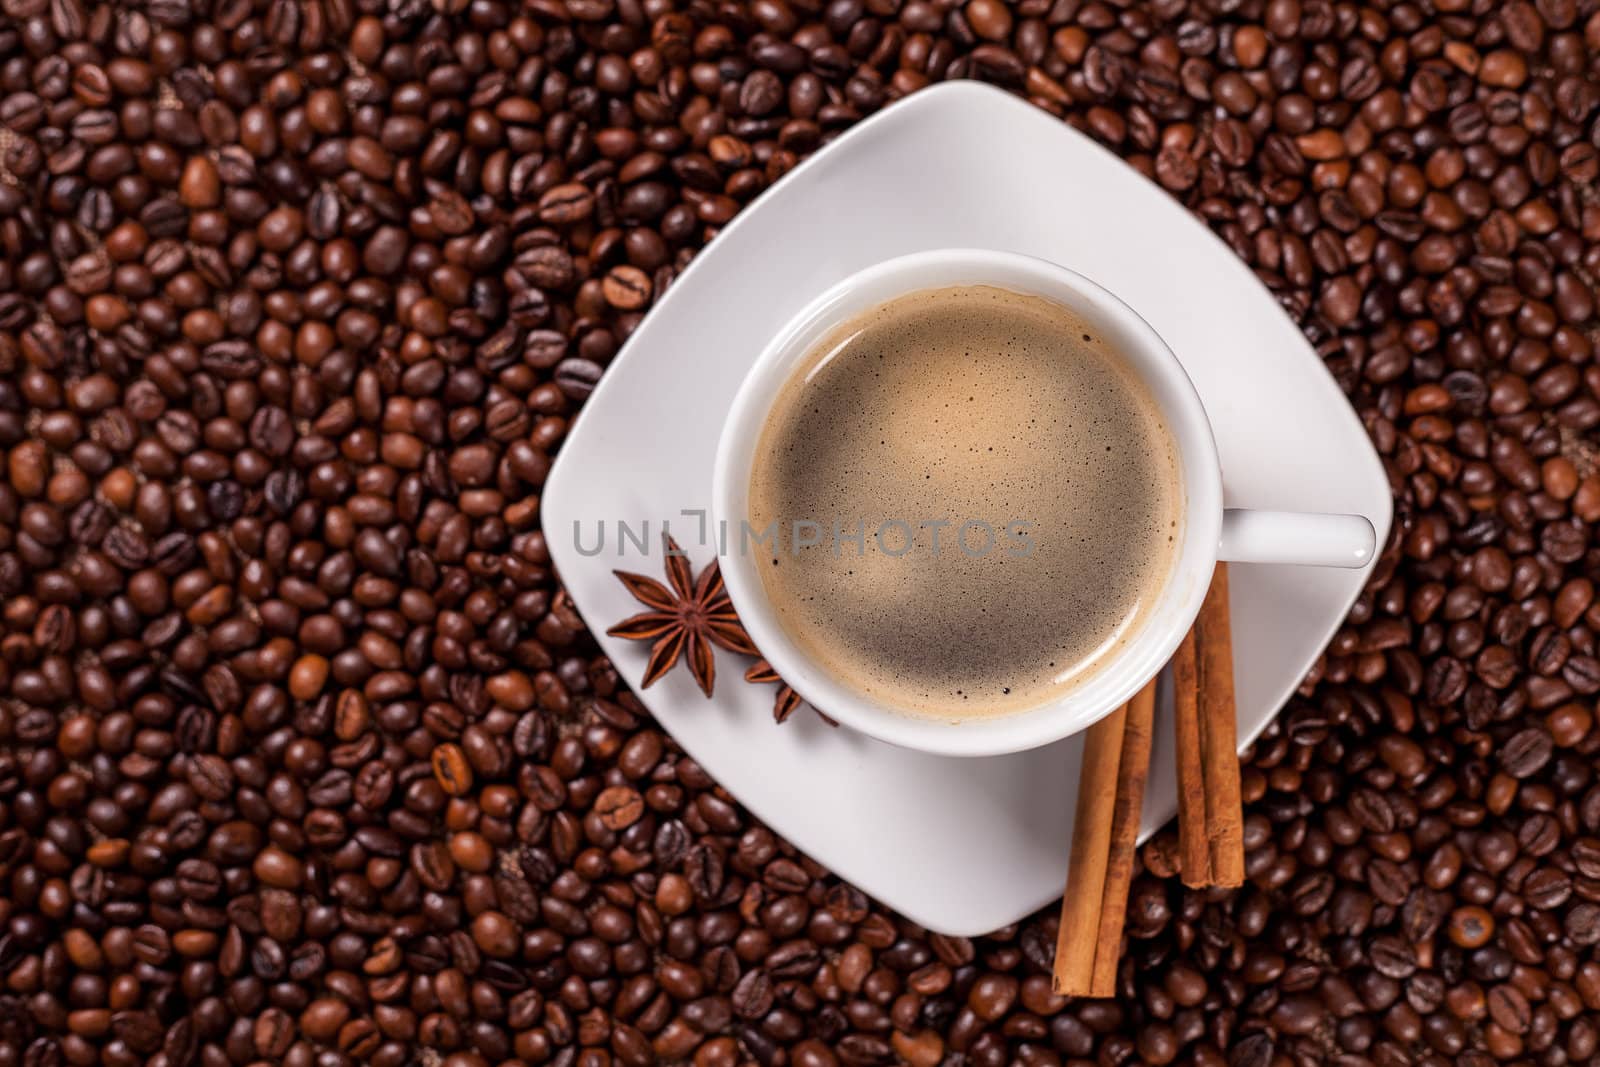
(973, 500)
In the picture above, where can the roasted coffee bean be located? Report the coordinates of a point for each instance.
(577, 377)
(1526, 752)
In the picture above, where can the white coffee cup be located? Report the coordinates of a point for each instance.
(1210, 533)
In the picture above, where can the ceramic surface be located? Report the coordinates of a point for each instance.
(962, 846)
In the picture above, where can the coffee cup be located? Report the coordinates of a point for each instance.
(1209, 532)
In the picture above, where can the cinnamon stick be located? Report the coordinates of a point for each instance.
(1091, 850)
(1194, 849)
(1133, 771)
(1210, 811)
(1219, 735)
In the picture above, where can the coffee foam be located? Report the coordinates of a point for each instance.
(971, 403)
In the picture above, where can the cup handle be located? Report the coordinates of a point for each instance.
(1298, 537)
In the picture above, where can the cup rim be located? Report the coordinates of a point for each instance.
(1143, 653)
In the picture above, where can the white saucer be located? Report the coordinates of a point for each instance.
(960, 846)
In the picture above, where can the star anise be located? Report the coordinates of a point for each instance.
(787, 699)
(683, 621)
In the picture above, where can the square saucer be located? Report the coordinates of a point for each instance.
(961, 846)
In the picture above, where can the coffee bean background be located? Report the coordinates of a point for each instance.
(305, 757)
